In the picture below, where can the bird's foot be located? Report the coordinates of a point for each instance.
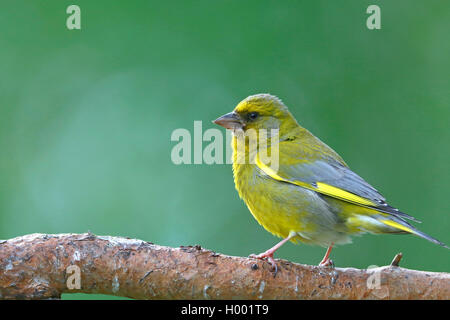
(269, 253)
(327, 263)
(269, 256)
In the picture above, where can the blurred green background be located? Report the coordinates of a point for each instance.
(86, 115)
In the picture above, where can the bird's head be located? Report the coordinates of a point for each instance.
(260, 111)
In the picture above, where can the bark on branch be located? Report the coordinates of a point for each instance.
(36, 267)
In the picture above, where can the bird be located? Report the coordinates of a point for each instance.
(308, 194)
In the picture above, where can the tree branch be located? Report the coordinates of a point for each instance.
(37, 266)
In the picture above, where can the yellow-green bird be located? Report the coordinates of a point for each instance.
(311, 195)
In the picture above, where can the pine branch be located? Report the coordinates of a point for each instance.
(40, 266)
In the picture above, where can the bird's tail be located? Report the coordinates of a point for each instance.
(402, 225)
(429, 238)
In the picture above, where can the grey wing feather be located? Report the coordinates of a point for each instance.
(336, 174)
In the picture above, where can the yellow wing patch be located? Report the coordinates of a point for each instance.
(320, 187)
(342, 194)
(397, 225)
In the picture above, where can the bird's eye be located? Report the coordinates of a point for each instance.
(253, 115)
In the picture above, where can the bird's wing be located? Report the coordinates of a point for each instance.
(326, 174)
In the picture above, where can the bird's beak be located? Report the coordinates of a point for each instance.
(230, 121)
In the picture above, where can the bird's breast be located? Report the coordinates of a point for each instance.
(279, 207)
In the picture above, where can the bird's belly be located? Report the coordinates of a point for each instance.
(282, 208)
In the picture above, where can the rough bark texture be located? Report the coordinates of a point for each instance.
(35, 267)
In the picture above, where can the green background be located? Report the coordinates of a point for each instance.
(86, 115)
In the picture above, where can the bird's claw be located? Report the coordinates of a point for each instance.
(270, 259)
(328, 263)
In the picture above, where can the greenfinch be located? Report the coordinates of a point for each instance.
(311, 195)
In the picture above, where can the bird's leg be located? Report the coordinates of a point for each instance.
(269, 253)
(326, 259)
